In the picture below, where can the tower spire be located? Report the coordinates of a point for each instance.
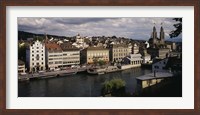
(162, 34)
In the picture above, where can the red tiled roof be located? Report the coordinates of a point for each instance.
(53, 46)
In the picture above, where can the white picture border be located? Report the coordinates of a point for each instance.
(184, 102)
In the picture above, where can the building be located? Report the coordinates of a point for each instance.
(35, 56)
(154, 40)
(79, 39)
(21, 67)
(133, 59)
(158, 48)
(91, 54)
(118, 52)
(71, 54)
(130, 48)
(159, 65)
(135, 49)
(146, 57)
(54, 55)
(170, 64)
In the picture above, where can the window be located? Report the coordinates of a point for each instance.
(32, 59)
(42, 58)
(37, 51)
(32, 51)
(37, 57)
(32, 55)
(42, 63)
(37, 47)
(32, 63)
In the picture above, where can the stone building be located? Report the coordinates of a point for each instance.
(118, 52)
(158, 48)
(91, 54)
(35, 56)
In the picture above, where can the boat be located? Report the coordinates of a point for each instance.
(96, 71)
(110, 69)
(49, 74)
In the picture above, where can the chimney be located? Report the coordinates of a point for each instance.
(154, 73)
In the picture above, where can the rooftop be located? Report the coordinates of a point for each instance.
(53, 46)
(68, 47)
(158, 75)
(96, 48)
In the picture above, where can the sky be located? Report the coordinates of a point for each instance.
(134, 27)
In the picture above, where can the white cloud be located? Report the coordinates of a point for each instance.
(137, 28)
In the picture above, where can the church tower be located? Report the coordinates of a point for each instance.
(162, 35)
(154, 35)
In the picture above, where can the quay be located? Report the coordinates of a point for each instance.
(50, 74)
(89, 70)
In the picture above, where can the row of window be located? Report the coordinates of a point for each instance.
(57, 62)
(58, 55)
(55, 58)
(37, 58)
(37, 63)
(137, 62)
(69, 62)
(37, 55)
(71, 54)
(71, 58)
(37, 51)
(120, 50)
(37, 47)
(121, 54)
(97, 54)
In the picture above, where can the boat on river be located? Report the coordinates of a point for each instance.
(96, 71)
(110, 69)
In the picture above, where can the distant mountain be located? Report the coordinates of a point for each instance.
(24, 35)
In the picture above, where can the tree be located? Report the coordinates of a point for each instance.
(178, 26)
(115, 87)
(101, 62)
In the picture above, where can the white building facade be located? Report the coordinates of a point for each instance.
(71, 55)
(53, 56)
(35, 57)
(160, 65)
(134, 59)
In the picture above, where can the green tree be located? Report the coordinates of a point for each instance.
(115, 87)
(178, 30)
(101, 62)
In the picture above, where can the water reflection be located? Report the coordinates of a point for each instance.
(79, 85)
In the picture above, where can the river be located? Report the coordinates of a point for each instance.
(78, 85)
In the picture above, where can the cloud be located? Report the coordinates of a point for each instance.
(135, 28)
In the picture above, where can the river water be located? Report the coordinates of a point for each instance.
(79, 85)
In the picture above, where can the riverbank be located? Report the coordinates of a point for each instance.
(78, 85)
